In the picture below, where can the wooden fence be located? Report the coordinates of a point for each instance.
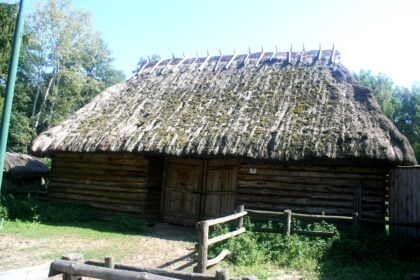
(204, 242)
(72, 267)
(286, 215)
(404, 203)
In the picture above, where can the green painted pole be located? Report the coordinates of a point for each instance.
(10, 87)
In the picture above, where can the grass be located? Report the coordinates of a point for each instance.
(46, 242)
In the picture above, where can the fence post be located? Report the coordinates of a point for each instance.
(203, 238)
(355, 225)
(287, 221)
(222, 274)
(76, 257)
(109, 262)
(239, 209)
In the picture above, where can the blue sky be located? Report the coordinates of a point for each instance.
(370, 34)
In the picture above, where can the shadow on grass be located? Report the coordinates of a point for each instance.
(373, 257)
(161, 230)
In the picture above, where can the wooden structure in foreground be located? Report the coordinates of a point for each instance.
(404, 204)
(71, 266)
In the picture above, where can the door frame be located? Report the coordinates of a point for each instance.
(201, 187)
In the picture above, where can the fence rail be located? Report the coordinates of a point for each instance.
(204, 242)
(72, 267)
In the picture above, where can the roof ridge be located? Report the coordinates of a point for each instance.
(257, 59)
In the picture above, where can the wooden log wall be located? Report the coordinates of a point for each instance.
(404, 204)
(312, 189)
(112, 184)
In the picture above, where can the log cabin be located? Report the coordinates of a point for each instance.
(186, 139)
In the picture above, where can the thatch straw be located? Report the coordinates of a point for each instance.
(259, 106)
(20, 165)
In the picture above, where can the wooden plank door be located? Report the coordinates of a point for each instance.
(220, 189)
(183, 191)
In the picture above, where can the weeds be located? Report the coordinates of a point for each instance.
(32, 210)
(338, 257)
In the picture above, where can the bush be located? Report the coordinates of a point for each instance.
(129, 223)
(3, 212)
(32, 210)
(374, 257)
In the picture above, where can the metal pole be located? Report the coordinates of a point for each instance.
(10, 87)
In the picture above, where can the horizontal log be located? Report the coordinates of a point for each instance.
(109, 172)
(226, 219)
(159, 271)
(219, 258)
(136, 196)
(316, 174)
(59, 185)
(140, 183)
(376, 213)
(38, 272)
(295, 200)
(98, 177)
(321, 217)
(310, 181)
(317, 233)
(245, 186)
(94, 165)
(339, 169)
(264, 213)
(84, 198)
(225, 236)
(384, 222)
(306, 201)
(80, 269)
(310, 194)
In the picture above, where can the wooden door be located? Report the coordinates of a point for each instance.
(183, 191)
(219, 190)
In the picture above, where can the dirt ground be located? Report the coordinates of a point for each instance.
(167, 246)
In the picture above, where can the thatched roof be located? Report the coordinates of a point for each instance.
(20, 165)
(271, 106)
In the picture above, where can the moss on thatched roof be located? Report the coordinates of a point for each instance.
(270, 106)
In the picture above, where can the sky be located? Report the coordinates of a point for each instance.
(380, 35)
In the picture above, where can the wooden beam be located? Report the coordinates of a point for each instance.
(203, 239)
(75, 268)
(225, 236)
(321, 217)
(158, 271)
(219, 258)
(226, 219)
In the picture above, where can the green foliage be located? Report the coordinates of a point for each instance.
(4, 213)
(401, 105)
(63, 64)
(129, 223)
(377, 257)
(32, 210)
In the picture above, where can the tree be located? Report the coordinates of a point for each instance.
(73, 63)
(7, 28)
(400, 104)
(383, 89)
(63, 64)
